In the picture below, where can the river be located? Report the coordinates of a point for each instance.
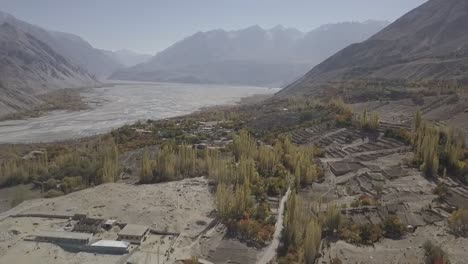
(121, 104)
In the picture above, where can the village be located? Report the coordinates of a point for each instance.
(367, 174)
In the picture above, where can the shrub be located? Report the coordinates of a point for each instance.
(71, 184)
(441, 190)
(399, 134)
(276, 185)
(434, 254)
(53, 193)
(393, 227)
(366, 234)
(350, 233)
(253, 231)
(364, 200)
(370, 233)
(50, 184)
(332, 220)
(343, 113)
(458, 222)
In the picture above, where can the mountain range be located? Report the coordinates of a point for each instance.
(35, 60)
(29, 67)
(251, 56)
(427, 44)
(430, 43)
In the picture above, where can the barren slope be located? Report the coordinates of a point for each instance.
(29, 67)
(428, 43)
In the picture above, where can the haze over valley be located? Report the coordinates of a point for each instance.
(163, 132)
(121, 104)
(252, 56)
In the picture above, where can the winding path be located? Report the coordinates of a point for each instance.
(270, 252)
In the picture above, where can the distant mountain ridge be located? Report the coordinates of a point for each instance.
(29, 67)
(251, 56)
(427, 44)
(72, 47)
(34, 60)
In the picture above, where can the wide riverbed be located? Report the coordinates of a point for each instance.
(112, 107)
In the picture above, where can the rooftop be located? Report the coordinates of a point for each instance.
(111, 243)
(66, 235)
(110, 222)
(133, 230)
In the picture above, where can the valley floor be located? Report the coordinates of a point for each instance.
(182, 214)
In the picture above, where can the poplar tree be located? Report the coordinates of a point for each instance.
(313, 237)
(244, 145)
(146, 174)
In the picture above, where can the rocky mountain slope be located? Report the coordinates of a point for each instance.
(252, 56)
(429, 43)
(70, 46)
(29, 67)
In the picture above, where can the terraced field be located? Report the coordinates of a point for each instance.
(445, 109)
(360, 164)
(350, 143)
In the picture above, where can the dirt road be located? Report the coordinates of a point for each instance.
(270, 252)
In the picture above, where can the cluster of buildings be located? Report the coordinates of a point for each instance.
(80, 239)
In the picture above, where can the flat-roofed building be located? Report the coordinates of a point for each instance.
(133, 233)
(63, 237)
(111, 246)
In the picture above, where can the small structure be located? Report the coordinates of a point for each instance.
(109, 223)
(200, 146)
(111, 247)
(340, 168)
(89, 225)
(63, 237)
(34, 155)
(133, 233)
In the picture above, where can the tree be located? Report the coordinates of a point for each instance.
(186, 161)
(165, 167)
(110, 167)
(426, 149)
(268, 159)
(332, 219)
(297, 216)
(369, 121)
(146, 174)
(417, 120)
(313, 236)
(233, 204)
(244, 145)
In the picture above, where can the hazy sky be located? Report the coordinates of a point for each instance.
(152, 25)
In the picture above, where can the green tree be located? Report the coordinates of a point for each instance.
(312, 239)
(244, 145)
(146, 174)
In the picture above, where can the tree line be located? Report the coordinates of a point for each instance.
(245, 173)
(65, 169)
